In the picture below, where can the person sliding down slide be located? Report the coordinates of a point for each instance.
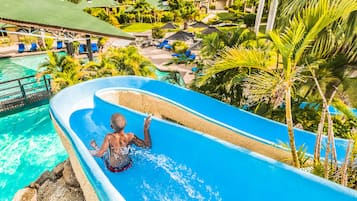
(118, 142)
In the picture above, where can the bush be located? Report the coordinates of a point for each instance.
(179, 47)
(49, 43)
(157, 33)
(227, 16)
(4, 41)
(213, 7)
(168, 17)
(249, 19)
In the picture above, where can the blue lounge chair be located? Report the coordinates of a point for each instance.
(194, 69)
(188, 53)
(176, 55)
(168, 47)
(59, 44)
(33, 47)
(82, 49)
(162, 44)
(21, 48)
(192, 57)
(94, 47)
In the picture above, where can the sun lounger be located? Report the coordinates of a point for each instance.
(94, 47)
(176, 55)
(162, 44)
(188, 53)
(82, 49)
(21, 48)
(192, 57)
(59, 44)
(33, 47)
(168, 47)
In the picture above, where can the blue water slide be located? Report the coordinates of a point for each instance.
(184, 164)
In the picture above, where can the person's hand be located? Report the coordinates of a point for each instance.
(147, 122)
(93, 144)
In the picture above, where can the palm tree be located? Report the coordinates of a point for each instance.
(128, 61)
(141, 7)
(64, 70)
(292, 44)
(214, 43)
(272, 14)
(258, 18)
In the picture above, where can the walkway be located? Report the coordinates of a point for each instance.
(160, 57)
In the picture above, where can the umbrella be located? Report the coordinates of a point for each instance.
(210, 30)
(181, 35)
(199, 25)
(169, 25)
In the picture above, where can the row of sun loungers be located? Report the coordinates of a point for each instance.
(82, 47)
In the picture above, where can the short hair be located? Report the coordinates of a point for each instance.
(118, 122)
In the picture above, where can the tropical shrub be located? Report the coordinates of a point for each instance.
(249, 19)
(212, 7)
(179, 47)
(66, 71)
(49, 43)
(157, 33)
(168, 17)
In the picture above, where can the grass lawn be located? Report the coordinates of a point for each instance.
(139, 27)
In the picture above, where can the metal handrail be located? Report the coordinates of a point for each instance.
(23, 89)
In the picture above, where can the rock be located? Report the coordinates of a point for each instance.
(59, 191)
(44, 176)
(68, 175)
(58, 170)
(58, 185)
(26, 194)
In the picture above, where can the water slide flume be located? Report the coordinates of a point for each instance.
(184, 163)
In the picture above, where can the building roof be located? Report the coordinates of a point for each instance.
(97, 4)
(210, 30)
(199, 25)
(181, 35)
(168, 25)
(56, 15)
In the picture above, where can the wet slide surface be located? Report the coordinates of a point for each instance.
(184, 164)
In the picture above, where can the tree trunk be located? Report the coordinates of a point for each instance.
(344, 177)
(272, 14)
(185, 25)
(330, 138)
(320, 130)
(289, 122)
(258, 18)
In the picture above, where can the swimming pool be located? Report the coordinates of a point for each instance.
(28, 147)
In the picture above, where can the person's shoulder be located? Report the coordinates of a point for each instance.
(130, 136)
(109, 135)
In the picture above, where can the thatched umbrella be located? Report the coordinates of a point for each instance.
(210, 30)
(168, 25)
(199, 25)
(181, 35)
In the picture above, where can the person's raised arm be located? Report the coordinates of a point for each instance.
(146, 143)
(100, 151)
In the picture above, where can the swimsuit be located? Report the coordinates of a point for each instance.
(118, 169)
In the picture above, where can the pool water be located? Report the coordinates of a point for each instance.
(29, 145)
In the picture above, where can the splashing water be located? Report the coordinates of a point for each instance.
(181, 182)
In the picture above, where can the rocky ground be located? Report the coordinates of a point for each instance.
(60, 184)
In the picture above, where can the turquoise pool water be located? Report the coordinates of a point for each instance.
(29, 145)
(12, 68)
